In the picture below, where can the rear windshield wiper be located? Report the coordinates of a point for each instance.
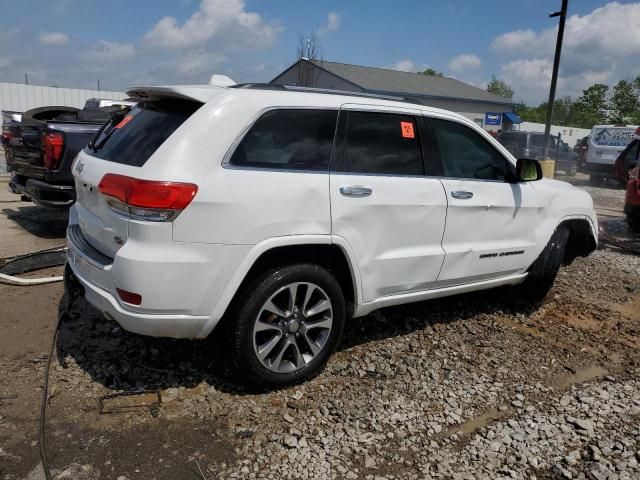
(102, 135)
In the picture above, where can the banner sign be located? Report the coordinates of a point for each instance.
(492, 118)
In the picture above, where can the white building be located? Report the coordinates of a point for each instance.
(18, 97)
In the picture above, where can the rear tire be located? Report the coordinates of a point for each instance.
(543, 271)
(277, 342)
(633, 221)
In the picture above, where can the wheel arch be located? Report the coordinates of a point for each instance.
(583, 238)
(321, 250)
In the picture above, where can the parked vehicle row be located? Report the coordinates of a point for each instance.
(532, 145)
(273, 214)
(41, 144)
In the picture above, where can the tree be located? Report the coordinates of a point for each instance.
(591, 108)
(431, 72)
(636, 90)
(309, 52)
(624, 102)
(500, 88)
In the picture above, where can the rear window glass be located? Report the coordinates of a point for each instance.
(133, 135)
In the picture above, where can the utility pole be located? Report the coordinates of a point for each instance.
(554, 76)
(26, 79)
(98, 84)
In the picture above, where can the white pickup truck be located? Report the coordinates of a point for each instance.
(274, 214)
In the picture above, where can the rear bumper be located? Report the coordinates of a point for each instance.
(42, 193)
(94, 273)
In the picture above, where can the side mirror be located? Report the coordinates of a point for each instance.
(528, 170)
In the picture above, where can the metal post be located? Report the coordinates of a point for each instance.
(554, 76)
(26, 79)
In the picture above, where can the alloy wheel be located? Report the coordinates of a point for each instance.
(292, 327)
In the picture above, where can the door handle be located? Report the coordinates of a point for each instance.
(461, 194)
(355, 191)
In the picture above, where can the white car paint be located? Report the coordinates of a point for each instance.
(409, 240)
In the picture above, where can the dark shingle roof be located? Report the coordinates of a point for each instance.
(385, 80)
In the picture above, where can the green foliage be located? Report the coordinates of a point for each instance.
(431, 72)
(500, 88)
(595, 106)
(624, 101)
(592, 106)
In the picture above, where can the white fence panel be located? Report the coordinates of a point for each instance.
(20, 98)
(569, 134)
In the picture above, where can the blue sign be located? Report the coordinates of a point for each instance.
(492, 118)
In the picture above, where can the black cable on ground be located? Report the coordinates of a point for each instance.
(64, 312)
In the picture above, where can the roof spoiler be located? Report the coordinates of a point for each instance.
(199, 93)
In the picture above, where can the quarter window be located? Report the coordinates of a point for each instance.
(381, 143)
(465, 154)
(293, 139)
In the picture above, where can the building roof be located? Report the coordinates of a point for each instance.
(382, 80)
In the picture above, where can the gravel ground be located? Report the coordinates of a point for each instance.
(469, 387)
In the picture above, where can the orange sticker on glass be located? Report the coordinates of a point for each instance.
(407, 130)
(124, 121)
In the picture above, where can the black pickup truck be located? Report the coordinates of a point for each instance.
(40, 146)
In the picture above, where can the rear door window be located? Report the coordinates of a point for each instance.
(134, 134)
(289, 139)
(381, 143)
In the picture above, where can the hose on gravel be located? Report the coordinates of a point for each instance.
(52, 257)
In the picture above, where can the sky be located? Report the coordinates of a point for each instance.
(75, 43)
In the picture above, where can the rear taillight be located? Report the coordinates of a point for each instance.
(5, 138)
(151, 200)
(52, 147)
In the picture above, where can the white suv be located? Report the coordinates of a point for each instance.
(278, 213)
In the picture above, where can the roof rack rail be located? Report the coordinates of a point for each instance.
(327, 91)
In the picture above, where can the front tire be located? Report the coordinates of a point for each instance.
(286, 325)
(543, 271)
